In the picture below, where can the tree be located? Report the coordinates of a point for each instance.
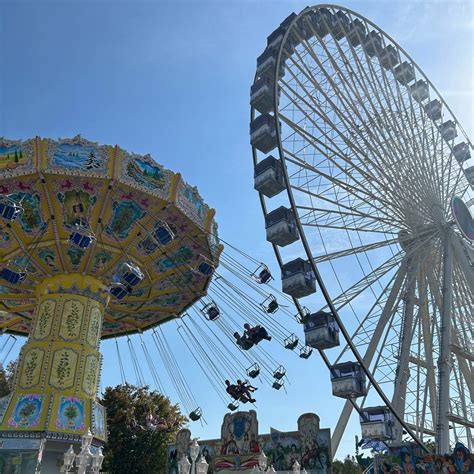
(348, 466)
(141, 423)
(7, 377)
(4, 388)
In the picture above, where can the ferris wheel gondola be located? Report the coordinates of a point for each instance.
(371, 157)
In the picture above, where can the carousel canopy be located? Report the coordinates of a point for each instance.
(101, 211)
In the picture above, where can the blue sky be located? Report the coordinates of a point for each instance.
(172, 79)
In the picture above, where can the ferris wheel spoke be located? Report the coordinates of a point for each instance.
(390, 95)
(419, 150)
(323, 148)
(326, 215)
(411, 186)
(375, 227)
(361, 195)
(343, 117)
(371, 337)
(426, 334)
(354, 250)
(369, 79)
(361, 98)
(366, 282)
(334, 128)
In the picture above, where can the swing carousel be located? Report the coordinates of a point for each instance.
(95, 242)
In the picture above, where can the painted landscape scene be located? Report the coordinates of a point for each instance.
(11, 157)
(74, 156)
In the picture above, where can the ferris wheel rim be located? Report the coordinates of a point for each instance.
(307, 248)
(279, 134)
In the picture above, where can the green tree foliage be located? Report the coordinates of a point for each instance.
(4, 388)
(140, 423)
(348, 466)
(7, 377)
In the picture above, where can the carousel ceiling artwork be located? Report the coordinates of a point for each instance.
(89, 209)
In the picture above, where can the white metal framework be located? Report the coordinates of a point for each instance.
(372, 157)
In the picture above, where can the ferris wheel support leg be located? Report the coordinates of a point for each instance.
(403, 371)
(387, 312)
(428, 348)
(444, 363)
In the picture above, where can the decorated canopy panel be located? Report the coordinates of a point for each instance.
(122, 199)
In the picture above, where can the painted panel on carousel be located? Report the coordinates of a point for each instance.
(31, 367)
(70, 415)
(75, 256)
(146, 173)
(4, 402)
(76, 156)
(182, 256)
(27, 412)
(110, 328)
(99, 426)
(91, 372)
(191, 203)
(93, 330)
(31, 219)
(101, 260)
(213, 238)
(124, 216)
(71, 321)
(44, 319)
(76, 207)
(22, 326)
(48, 256)
(167, 300)
(16, 157)
(5, 239)
(63, 370)
(24, 263)
(181, 280)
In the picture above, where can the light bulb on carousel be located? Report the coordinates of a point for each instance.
(202, 466)
(69, 457)
(87, 439)
(184, 466)
(262, 465)
(83, 459)
(97, 460)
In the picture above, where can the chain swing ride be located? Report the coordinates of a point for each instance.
(98, 243)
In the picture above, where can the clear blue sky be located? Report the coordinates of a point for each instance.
(172, 79)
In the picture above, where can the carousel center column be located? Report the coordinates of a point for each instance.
(58, 369)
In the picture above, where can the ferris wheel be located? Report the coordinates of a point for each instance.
(378, 177)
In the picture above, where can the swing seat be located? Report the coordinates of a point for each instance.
(12, 276)
(131, 274)
(120, 291)
(163, 234)
(196, 414)
(9, 209)
(205, 269)
(80, 240)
